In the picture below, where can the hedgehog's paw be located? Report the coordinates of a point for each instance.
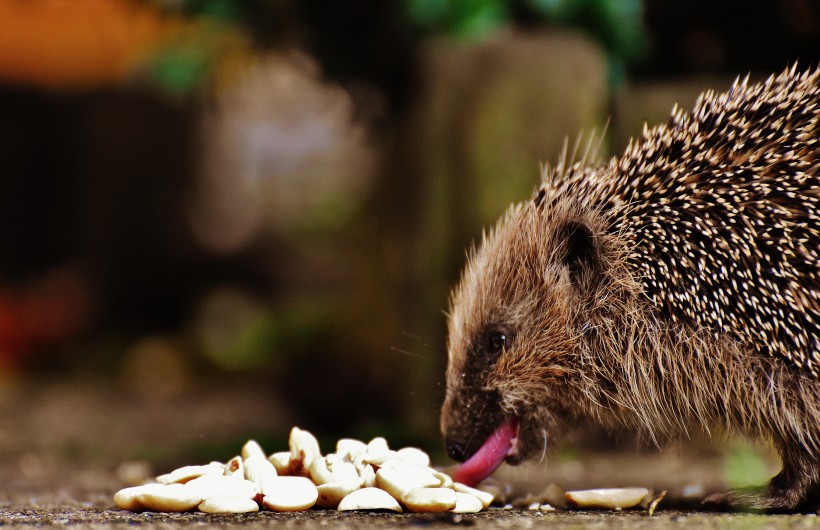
(792, 501)
(795, 489)
(771, 500)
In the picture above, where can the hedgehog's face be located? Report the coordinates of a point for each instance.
(512, 351)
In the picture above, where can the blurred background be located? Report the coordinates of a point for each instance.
(220, 218)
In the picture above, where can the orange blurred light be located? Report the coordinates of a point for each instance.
(77, 43)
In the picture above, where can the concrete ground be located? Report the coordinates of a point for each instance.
(60, 494)
(101, 516)
(66, 448)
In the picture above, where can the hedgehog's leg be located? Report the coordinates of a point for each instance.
(797, 486)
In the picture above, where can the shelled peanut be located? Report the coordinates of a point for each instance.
(357, 476)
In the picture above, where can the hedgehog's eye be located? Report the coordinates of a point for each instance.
(497, 342)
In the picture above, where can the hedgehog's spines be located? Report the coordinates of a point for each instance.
(738, 229)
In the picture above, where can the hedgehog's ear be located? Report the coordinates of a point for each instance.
(580, 248)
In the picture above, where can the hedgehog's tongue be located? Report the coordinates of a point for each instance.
(489, 456)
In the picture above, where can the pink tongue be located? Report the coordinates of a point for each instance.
(489, 456)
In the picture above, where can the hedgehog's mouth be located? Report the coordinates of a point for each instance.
(499, 446)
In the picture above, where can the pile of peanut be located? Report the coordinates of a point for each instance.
(358, 476)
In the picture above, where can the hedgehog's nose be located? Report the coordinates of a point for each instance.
(456, 450)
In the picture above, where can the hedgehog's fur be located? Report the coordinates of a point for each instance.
(675, 288)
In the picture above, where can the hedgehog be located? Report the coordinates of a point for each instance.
(673, 289)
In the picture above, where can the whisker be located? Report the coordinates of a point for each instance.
(544, 450)
(414, 336)
(411, 354)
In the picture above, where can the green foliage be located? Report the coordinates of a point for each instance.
(616, 24)
(228, 10)
(221, 9)
(179, 69)
(181, 66)
(461, 18)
